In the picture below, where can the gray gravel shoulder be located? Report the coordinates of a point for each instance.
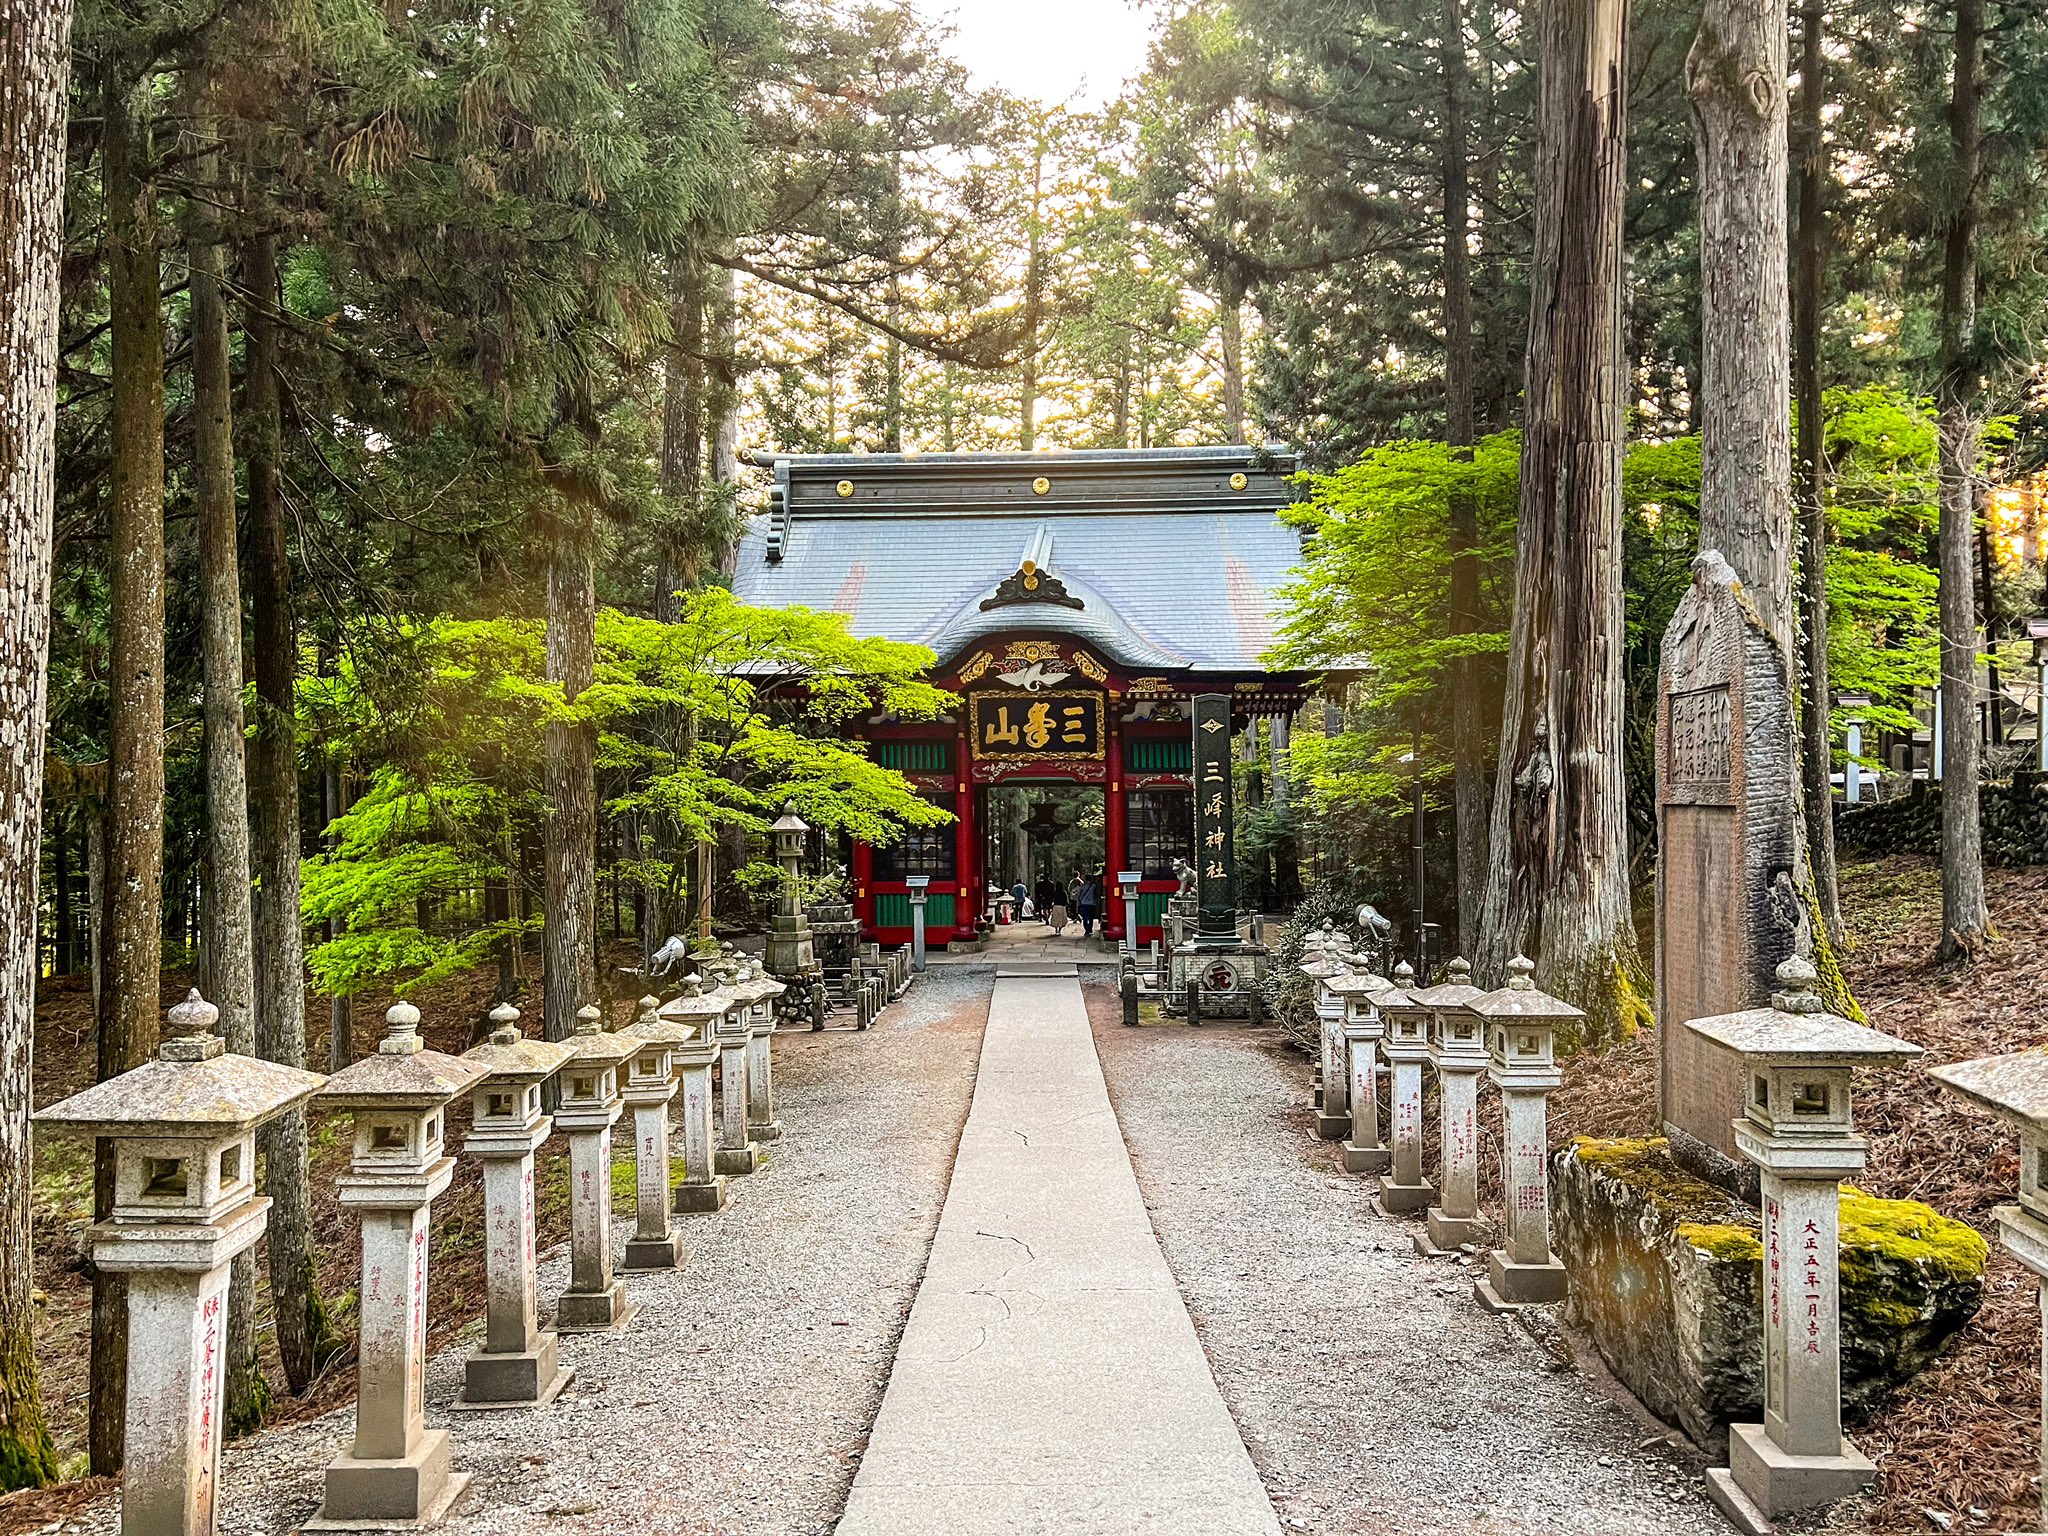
(738, 1402)
(1375, 1396)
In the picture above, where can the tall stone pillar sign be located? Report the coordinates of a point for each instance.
(651, 1083)
(595, 1301)
(1127, 881)
(1457, 1051)
(703, 1189)
(1364, 1028)
(1727, 911)
(1215, 841)
(2015, 1088)
(1403, 1189)
(183, 1129)
(1521, 1034)
(397, 1469)
(518, 1364)
(1796, 1128)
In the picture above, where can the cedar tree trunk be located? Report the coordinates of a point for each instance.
(570, 974)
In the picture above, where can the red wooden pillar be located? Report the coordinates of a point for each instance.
(967, 838)
(863, 878)
(1115, 850)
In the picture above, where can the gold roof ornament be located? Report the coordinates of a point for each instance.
(1040, 486)
(845, 488)
(1238, 481)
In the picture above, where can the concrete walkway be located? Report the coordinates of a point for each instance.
(1050, 1380)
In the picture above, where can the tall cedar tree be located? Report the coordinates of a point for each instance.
(1558, 880)
(35, 59)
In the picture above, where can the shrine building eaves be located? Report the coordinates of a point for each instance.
(1163, 558)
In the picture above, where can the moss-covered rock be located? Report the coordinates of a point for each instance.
(1666, 1272)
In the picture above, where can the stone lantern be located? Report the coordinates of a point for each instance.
(1403, 1190)
(758, 990)
(1457, 1052)
(2015, 1088)
(183, 1129)
(517, 1364)
(703, 1189)
(738, 1153)
(1796, 1128)
(791, 953)
(1521, 1040)
(1333, 1100)
(651, 1083)
(1363, 1028)
(397, 1469)
(591, 1103)
(919, 889)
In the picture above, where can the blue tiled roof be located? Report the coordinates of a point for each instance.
(1174, 566)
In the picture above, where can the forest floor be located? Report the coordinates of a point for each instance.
(1958, 1449)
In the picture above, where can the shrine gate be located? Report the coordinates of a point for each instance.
(1077, 602)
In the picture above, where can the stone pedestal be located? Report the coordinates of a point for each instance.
(1403, 1191)
(1796, 1128)
(738, 1153)
(518, 1364)
(182, 1128)
(703, 1190)
(595, 1301)
(397, 1474)
(1521, 1034)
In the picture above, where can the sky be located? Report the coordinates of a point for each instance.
(1050, 49)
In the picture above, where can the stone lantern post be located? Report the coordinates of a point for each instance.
(791, 952)
(183, 1128)
(397, 1469)
(1457, 1051)
(1363, 1028)
(517, 1365)
(758, 990)
(738, 1153)
(1796, 1128)
(2037, 631)
(591, 1103)
(651, 1084)
(703, 1189)
(1403, 1190)
(2015, 1088)
(918, 896)
(1853, 706)
(1333, 1097)
(1127, 881)
(1521, 1037)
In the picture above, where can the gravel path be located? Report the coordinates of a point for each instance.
(738, 1402)
(1375, 1396)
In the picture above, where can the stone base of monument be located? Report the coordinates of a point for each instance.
(1332, 1127)
(1762, 1482)
(702, 1199)
(644, 1253)
(1444, 1235)
(606, 1311)
(1507, 1285)
(1664, 1282)
(402, 1494)
(734, 1161)
(1359, 1159)
(764, 1130)
(1231, 977)
(1398, 1199)
(528, 1378)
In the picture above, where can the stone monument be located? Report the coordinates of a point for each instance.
(1728, 912)
(790, 956)
(183, 1129)
(1216, 973)
(738, 1153)
(758, 990)
(396, 1469)
(1796, 1127)
(517, 1365)
(1521, 1046)
(1366, 1151)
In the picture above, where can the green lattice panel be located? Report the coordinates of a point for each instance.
(915, 756)
(892, 910)
(1152, 908)
(1169, 756)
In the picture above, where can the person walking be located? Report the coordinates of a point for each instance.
(1088, 897)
